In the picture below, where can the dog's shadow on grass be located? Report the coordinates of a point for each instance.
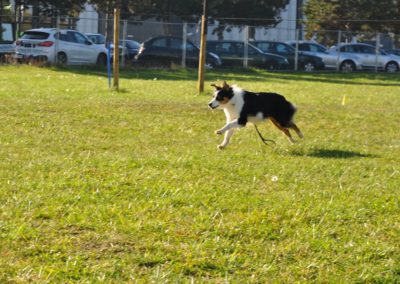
(332, 154)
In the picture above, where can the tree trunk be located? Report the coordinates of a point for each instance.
(1, 19)
(35, 14)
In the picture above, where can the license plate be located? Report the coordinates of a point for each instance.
(29, 51)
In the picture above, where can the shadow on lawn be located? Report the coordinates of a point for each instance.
(249, 75)
(335, 154)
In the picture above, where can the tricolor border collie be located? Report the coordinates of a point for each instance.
(242, 106)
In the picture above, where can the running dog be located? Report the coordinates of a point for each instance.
(241, 106)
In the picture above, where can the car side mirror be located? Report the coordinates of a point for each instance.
(88, 42)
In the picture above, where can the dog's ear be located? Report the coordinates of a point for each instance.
(225, 86)
(216, 87)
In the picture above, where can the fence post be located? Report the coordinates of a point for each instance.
(246, 47)
(378, 43)
(124, 31)
(296, 53)
(338, 50)
(184, 40)
(116, 49)
(202, 56)
(57, 40)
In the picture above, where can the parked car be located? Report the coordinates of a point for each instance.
(345, 61)
(306, 62)
(166, 50)
(308, 46)
(369, 58)
(100, 39)
(97, 38)
(132, 47)
(393, 51)
(62, 46)
(232, 54)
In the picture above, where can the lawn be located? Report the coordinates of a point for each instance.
(129, 186)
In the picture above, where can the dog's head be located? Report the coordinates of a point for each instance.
(222, 95)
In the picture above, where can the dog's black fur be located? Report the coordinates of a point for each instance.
(270, 105)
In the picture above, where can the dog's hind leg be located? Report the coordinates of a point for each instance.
(227, 137)
(295, 128)
(281, 128)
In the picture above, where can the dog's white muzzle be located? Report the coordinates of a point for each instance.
(213, 104)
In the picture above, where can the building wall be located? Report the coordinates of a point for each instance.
(89, 20)
(285, 30)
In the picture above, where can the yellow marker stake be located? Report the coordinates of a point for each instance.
(344, 100)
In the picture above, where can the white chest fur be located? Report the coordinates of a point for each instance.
(235, 105)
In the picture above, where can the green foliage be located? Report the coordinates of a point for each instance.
(129, 187)
(55, 8)
(229, 13)
(352, 15)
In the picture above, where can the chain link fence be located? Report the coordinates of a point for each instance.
(175, 44)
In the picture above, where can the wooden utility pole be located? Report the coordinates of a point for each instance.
(116, 48)
(202, 56)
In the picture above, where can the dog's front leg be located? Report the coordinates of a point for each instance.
(228, 135)
(230, 125)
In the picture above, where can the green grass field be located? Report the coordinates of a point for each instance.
(100, 186)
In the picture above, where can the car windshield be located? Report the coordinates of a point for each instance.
(35, 35)
(97, 39)
(285, 48)
(255, 48)
(130, 44)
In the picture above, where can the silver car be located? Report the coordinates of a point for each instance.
(342, 61)
(369, 57)
(61, 46)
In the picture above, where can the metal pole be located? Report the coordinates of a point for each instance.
(202, 56)
(184, 40)
(296, 52)
(124, 30)
(246, 48)
(116, 49)
(378, 43)
(338, 50)
(109, 65)
(56, 46)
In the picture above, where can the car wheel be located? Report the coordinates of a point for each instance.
(271, 66)
(309, 66)
(62, 59)
(392, 67)
(347, 66)
(148, 62)
(102, 60)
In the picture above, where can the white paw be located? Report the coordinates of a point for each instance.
(219, 132)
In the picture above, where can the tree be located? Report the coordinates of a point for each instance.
(228, 12)
(54, 8)
(352, 15)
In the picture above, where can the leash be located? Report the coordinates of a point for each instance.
(265, 141)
